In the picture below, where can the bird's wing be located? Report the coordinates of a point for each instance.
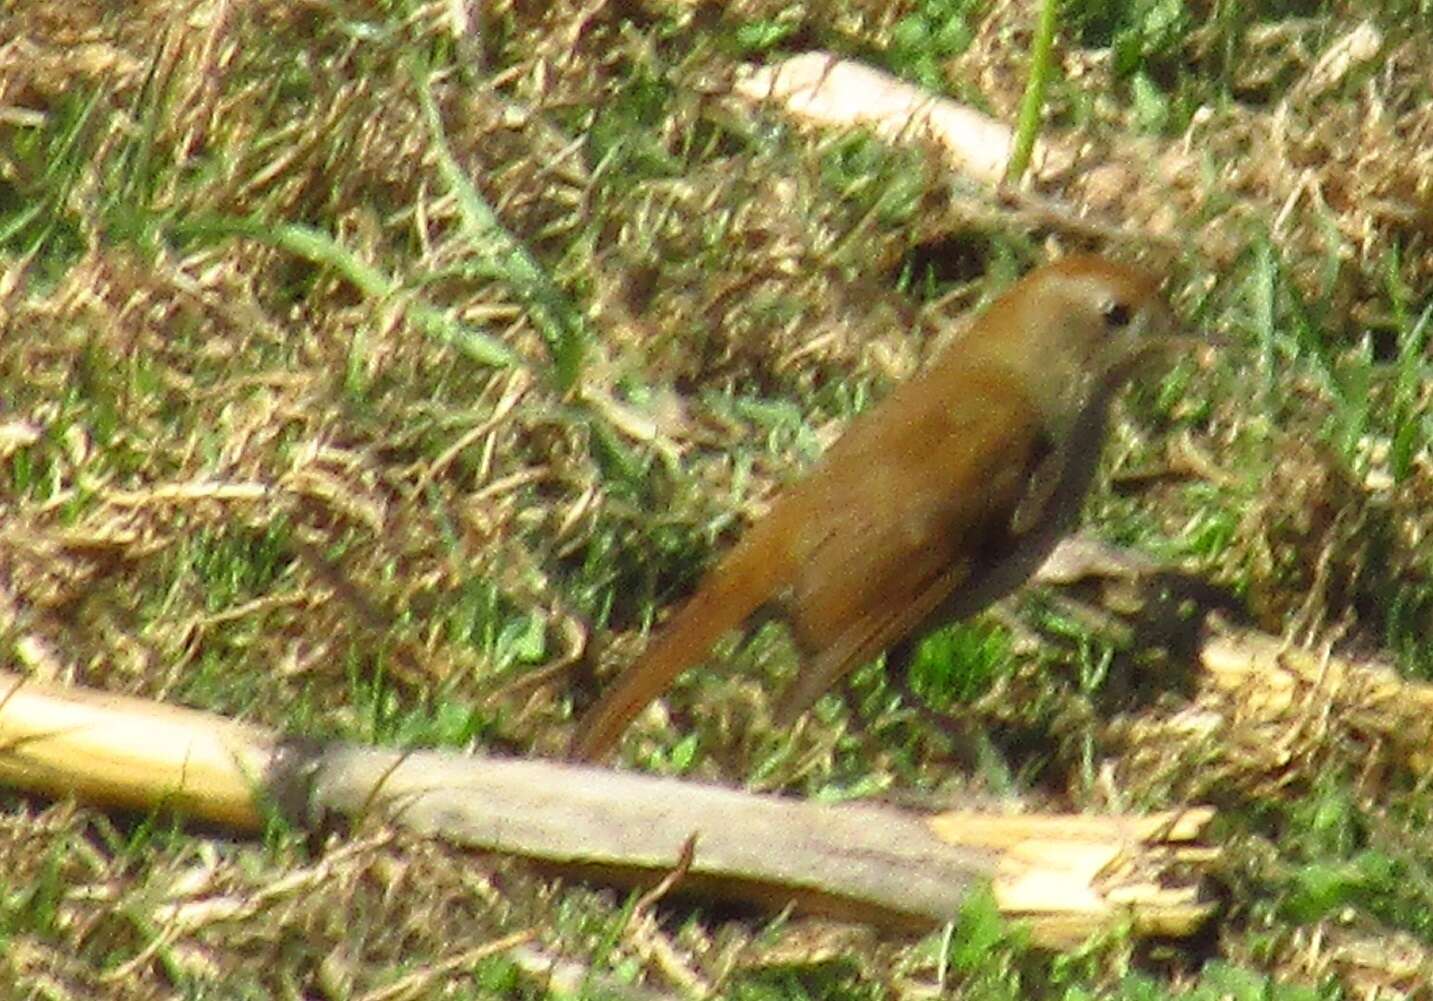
(864, 639)
(918, 505)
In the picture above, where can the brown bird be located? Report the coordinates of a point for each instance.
(938, 501)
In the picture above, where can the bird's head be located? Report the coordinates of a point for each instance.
(1077, 329)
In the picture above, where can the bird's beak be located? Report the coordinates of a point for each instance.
(1134, 353)
(1159, 342)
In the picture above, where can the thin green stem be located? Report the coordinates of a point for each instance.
(1032, 104)
(319, 248)
(556, 318)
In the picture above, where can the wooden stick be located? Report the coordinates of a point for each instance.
(823, 89)
(1067, 877)
(126, 752)
(1272, 680)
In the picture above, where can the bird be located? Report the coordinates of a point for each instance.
(941, 499)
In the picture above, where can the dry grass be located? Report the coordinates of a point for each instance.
(273, 471)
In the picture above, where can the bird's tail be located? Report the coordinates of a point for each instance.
(742, 582)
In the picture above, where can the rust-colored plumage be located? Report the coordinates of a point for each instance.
(936, 502)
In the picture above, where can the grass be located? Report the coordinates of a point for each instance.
(354, 366)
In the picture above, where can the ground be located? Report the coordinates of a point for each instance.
(384, 372)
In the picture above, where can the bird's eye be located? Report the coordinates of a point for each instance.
(1117, 315)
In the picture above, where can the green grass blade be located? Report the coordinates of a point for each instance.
(1033, 101)
(321, 249)
(556, 318)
